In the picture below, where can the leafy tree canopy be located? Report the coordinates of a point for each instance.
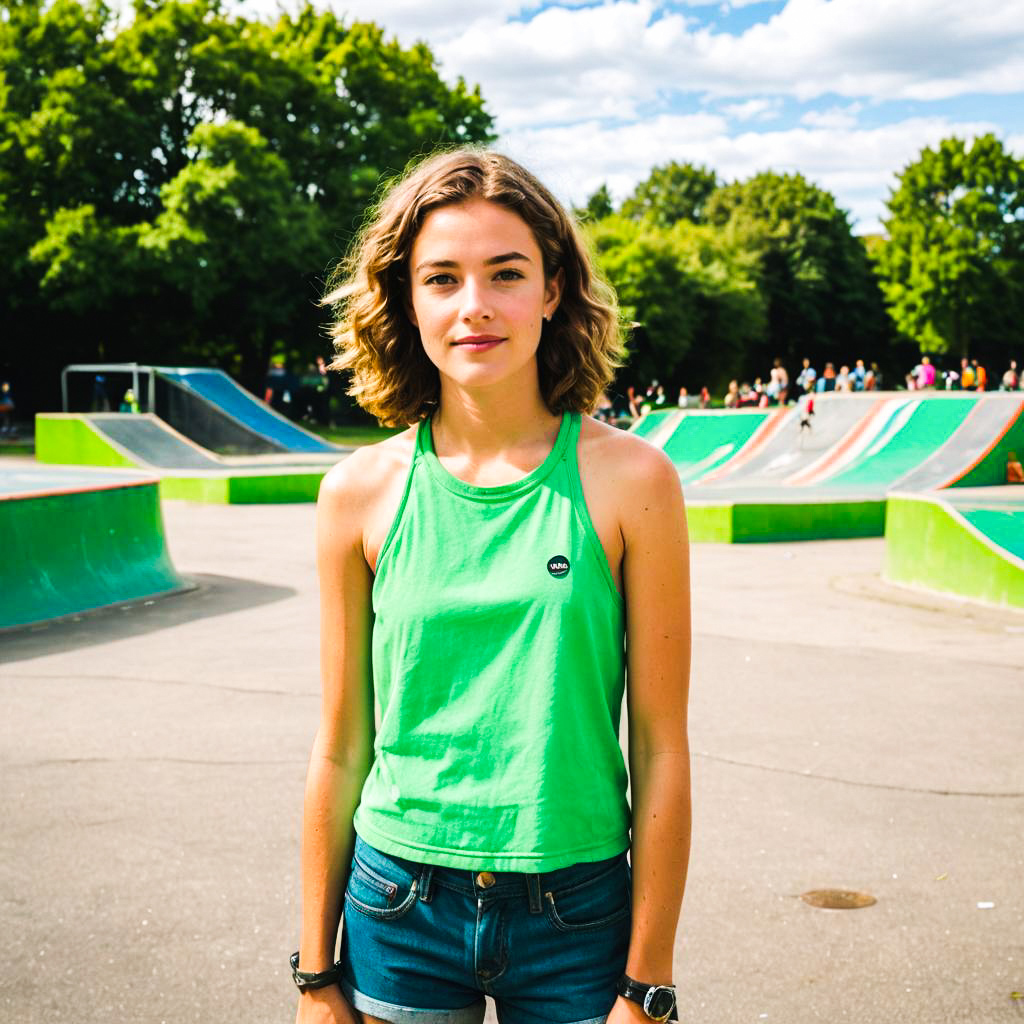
(821, 296)
(671, 193)
(953, 266)
(597, 207)
(693, 296)
(173, 186)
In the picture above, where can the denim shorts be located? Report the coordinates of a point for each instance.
(423, 944)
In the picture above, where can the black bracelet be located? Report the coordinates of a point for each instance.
(306, 980)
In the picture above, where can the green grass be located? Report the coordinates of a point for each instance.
(352, 435)
(17, 448)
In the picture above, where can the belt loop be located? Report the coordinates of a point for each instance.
(426, 877)
(533, 888)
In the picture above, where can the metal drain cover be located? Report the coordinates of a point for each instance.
(838, 899)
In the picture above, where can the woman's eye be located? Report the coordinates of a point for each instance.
(440, 279)
(508, 275)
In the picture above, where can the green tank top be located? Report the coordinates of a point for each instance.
(498, 670)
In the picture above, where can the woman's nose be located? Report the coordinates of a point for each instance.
(475, 303)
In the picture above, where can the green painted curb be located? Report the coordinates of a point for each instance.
(929, 544)
(710, 524)
(789, 521)
(69, 553)
(244, 489)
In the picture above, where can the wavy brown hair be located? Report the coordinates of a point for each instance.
(374, 339)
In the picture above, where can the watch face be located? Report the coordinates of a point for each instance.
(661, 1002)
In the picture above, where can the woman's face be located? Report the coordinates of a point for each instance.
(478, 294)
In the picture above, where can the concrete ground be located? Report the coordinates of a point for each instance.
(846, 734)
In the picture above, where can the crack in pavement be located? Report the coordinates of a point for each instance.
(44, 762)
(853, 782)
(106, 678)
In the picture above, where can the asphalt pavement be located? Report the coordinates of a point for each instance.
(847, 735)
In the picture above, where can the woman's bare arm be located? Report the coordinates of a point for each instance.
(342, 750)
(657, 590)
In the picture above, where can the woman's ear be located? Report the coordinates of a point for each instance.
(553, 293)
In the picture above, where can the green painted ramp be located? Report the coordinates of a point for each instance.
(71, 551)
(646, 425)
(1002, 526)
(966, 551)
(706, 440)
(912, 436)
(186, 471)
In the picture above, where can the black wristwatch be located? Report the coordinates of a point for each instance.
(309, 979)
(658, 1001)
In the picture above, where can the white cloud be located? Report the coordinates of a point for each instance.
(637, 54)
(859, 167)
(759, 109)
(588, 93)
(832, 117)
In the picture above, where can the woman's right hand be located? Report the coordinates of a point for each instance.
(326, 1006)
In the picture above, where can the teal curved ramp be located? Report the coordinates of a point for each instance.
(220, 390)
(706, 440)
(911, 437)
(996, 512)
(791, 449)
(976, 453)
(649, 423)
(76, 541)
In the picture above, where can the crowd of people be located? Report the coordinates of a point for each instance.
(777, 388)
(971, 376)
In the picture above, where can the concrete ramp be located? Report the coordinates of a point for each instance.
(964, 542)
(704, 441)
(148, 441)
(185, 469)
(79, 540)
(909, 438)
(975, 455)
(791, 449)
(220, 390)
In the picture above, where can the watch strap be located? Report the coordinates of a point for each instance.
(637, 992)
(306, 980)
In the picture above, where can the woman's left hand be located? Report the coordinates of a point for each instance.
(625, 1011)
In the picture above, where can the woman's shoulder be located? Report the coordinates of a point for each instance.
(622, 458)
(370, 472)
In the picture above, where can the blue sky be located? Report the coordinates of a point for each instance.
(846, 92)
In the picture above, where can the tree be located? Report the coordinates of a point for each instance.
(953, 266)
(174, 187)
(694, 300)
(597, 207)
(820, 294)
(671, 193)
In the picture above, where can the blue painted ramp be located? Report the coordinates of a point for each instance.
(220, 390)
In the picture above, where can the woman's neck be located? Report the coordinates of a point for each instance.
(509, 424)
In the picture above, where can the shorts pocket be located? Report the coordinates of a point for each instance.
(596, 902)
(380, 889)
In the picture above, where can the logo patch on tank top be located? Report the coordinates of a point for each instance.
(558, 566)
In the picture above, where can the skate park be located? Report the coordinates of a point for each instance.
(205, 437)
(157, 813)
(749, 476)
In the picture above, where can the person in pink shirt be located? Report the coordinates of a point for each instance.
(925, 374)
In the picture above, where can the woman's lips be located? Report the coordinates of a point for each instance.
(478, 342)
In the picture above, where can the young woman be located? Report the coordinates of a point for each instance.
(489, 575)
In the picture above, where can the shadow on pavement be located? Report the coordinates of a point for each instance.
(206, 596)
